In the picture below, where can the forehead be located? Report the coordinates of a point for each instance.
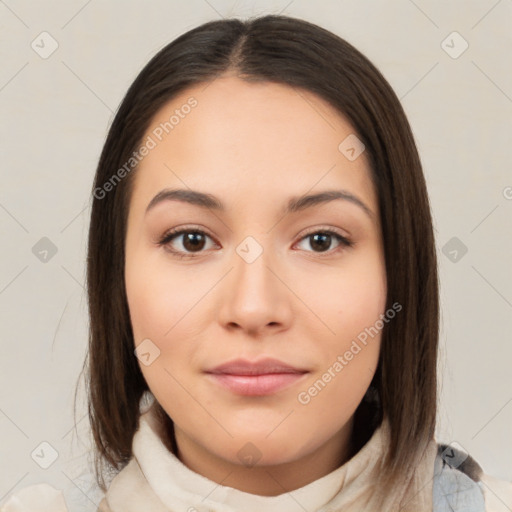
(252, 137)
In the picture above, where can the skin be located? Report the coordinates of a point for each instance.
(254, 146)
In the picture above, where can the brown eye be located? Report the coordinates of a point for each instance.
(321, 241)
(185, 242)
(193, 241)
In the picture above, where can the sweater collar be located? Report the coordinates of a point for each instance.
(169, 477)
(155, 479)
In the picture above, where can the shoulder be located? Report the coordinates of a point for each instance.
(461, 485)
(40, 497)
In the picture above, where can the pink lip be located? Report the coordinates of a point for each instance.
(252, 385)
(260, 367)
(263, 377)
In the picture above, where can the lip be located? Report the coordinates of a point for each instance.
(256, 385)
(263, 377)
(263, 366)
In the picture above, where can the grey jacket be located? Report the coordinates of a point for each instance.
(460, 484)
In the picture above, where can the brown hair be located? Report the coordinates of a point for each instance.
(300, 54)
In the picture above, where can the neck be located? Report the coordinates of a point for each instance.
(270, 480)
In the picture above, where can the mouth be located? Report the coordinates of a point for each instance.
(265, 377)
(256, 385)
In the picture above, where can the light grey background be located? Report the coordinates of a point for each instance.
(55, 113)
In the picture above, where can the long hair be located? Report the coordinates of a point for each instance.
(300, 54)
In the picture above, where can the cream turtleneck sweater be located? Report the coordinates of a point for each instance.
(156, 480)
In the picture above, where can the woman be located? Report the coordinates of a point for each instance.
(263, 287)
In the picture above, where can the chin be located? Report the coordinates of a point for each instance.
(260, 451)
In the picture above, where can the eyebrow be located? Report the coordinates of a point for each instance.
(295, 204)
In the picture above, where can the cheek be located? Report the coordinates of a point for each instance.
(163, 308)
(156, 300)
(158, 306)
(351, 305)
(350, 301)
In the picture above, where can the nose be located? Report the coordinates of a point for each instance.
(255, 296)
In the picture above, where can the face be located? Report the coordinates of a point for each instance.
(246, 277)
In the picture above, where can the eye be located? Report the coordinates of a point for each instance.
(190, 241)
(321, 240)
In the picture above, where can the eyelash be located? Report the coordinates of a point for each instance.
(168, 236)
